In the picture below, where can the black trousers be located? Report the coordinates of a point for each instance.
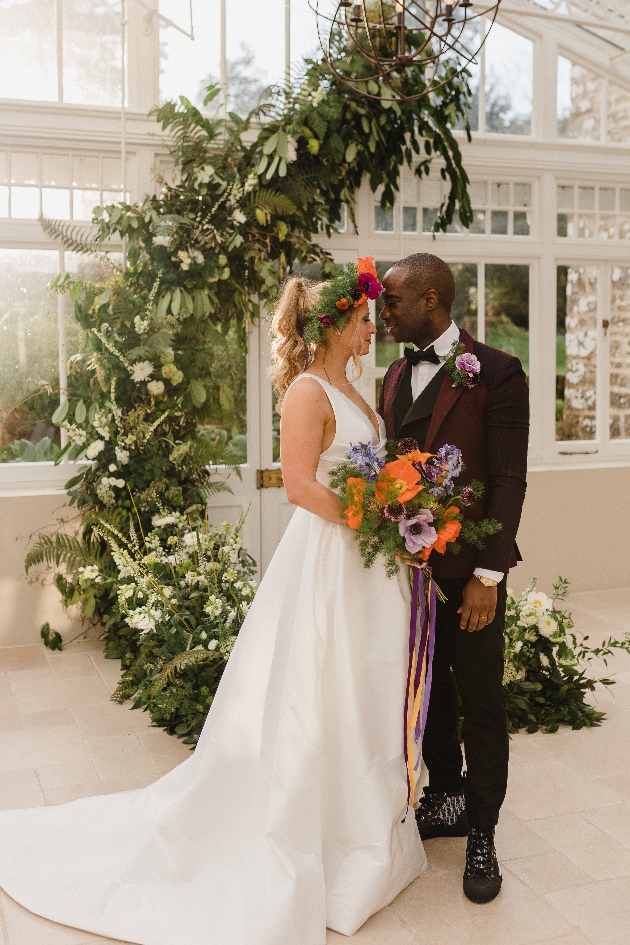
(471, 665)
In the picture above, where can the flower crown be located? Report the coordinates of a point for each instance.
(353, 286)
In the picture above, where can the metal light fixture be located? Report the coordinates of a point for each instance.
(394, 36)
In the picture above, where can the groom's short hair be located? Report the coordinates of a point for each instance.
(430, 272)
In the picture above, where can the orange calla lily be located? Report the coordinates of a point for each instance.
(398, 481)
(367, 265)
(355, 490)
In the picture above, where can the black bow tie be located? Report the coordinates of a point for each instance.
(415, 357)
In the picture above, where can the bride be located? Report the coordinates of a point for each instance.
(291, 814)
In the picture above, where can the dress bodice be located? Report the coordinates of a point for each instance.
(351, 426)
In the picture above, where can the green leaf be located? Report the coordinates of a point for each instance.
(52, 639)
(262, 164)
(226, 397)
(80, 413)
(163, 304)
(90, 606)
(211, 93)
(351, 152)
(197, 393)
(282, 168)
(176, 302)
(270, 144)
(282, 144)
(273, 167)
(61, 412)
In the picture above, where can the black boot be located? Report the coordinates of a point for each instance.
(441, 815)
(482, 876)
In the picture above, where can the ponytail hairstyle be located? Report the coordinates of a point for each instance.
(289, 350)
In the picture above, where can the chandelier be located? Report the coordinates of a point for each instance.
(402, 50)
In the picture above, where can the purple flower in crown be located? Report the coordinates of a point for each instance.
(417, 531)
(325, 320)
(366, 458)
(370, 286)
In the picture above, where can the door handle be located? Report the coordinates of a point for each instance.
(269, 478)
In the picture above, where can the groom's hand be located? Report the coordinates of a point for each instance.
(478, 606)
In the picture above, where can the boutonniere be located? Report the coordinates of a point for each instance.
(464, 368)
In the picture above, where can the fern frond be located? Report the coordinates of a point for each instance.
(181, 662)
(74, 236)
(272, 201)
(62, 549)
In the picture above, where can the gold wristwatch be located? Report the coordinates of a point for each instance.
(486, 581)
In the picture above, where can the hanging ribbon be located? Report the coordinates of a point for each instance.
(419, 670)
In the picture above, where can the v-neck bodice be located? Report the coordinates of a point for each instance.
(352, 426)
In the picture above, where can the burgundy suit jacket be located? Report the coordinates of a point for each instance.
(489, 423)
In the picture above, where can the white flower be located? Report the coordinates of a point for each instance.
(518, 646)
(157, 521)
(161, 240)
(155, 388)
(291, 150)
(198, 257)
(213, 644)
(539, 600)
(122, 455)
(203, 635)
(94, 449)
(190, 539)
(141, 324)
(113, 467)
(544, 660)
(547, 626)
(90, 572)
(239, 217)
(528, 618)
(214, 606)
(184, 259)
(141, 371)
(250, 183)
(141, 621)
(118, 482)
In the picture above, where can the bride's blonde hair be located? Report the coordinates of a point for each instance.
(288, 351)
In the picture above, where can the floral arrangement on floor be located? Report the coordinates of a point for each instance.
(184, 590)
(408, 507)
(545, 673)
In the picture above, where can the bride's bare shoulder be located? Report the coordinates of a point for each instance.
(306, 397)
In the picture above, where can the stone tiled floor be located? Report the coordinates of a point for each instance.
(563, 838)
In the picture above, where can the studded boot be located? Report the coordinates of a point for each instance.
(441, 815)
(482, 876)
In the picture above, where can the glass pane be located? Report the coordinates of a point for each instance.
(507, 310)
(521, 223)
(619, 333)
(578, 101)
(83, 203)
(618, 125)
(383, 220)
(606, 198)
(509, 82)
(464, 310)
(586, 198)
(24, 167)
(586, 225)
(91, 52)
(226, 426)
(429, 217)
(386, 349)
(28, 64)
(29, 385)
(86, 172)
(624, 227)
(470, 40)
(500, 195)
(522, 195)
(25, 203)
(576, 352)
(410, 219)
(4, 201)
(499, 222)
(188, 66)
(566, 197)
(478, 224)
(565, 225)
(607, 227)
(56, 203)
(55, 170)
(478, 190)
(624, 199)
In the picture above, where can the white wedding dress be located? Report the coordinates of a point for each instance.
(290, 815)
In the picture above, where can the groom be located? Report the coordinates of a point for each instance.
(489, 423)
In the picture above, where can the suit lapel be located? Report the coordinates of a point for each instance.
(425, 403)
(447, 397)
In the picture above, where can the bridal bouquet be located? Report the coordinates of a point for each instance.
(404, 509)
(408, 507)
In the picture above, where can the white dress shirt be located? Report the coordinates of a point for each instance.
(422, 374)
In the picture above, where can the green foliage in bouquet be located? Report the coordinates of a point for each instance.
(545, 676)
(184, 590)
